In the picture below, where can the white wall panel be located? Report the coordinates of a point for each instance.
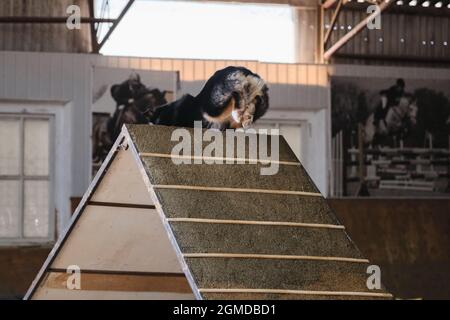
(64, 77)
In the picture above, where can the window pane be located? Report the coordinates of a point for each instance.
(36, 209)
(9, 208)
(9, 146)
(36, 146)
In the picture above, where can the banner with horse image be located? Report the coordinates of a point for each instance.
(390, 137)
(125, 96)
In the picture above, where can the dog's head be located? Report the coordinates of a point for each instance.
(234, 95)
(254, 101)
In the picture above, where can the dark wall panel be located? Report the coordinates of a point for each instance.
(43, 36)
(408, 239)
(18, 268)
(405, 38)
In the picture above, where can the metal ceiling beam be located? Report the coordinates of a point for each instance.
(333, 22)
(93, 28)
(358, 28)
(115, 24)
(393, 58)
(292, 3)
(406, 9)
(52, 20)
(329, 3)
(320, 32)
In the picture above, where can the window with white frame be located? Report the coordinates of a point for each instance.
(26, 210)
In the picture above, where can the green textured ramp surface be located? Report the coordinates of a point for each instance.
(252, 245)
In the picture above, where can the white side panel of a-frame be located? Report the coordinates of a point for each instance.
(118, 239)
(122, 183)
(123, 250)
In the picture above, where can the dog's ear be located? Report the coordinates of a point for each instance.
(115, 88)
(261, 104)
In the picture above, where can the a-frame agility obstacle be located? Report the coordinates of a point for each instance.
(150, 229)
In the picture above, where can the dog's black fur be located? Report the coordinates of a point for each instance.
(224, 87)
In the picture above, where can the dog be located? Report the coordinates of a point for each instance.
(232, 98)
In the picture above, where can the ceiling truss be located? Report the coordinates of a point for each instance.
(337, 6)
(94, 23)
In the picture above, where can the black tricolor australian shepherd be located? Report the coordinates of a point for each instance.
(233, 97)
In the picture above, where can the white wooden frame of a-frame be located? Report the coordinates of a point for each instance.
(123, 142)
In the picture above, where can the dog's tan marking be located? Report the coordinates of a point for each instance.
(224, 116)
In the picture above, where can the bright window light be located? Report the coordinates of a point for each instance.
(178, 29)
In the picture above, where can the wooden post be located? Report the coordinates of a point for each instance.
(93, 28)
(360, 153)
(362, 190)
(346, 136)
(448, 166)
(334, 19)
(320, 31)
